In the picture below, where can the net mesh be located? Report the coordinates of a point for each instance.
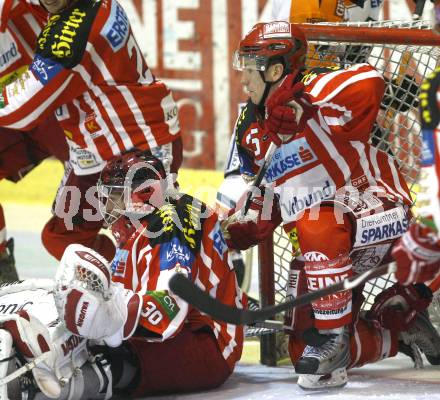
(397, 129)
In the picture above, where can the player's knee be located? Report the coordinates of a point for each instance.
(56, 237)
(104, 246)
(52, 239)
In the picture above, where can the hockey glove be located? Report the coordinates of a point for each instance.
(287, 110)
(417, 255)
(244, 231)
(89, 303)
(396, 307)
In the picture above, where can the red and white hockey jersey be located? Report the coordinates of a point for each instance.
(181, 237)
(19, 29)
(334, 151)
(89, 70)
(20, 25)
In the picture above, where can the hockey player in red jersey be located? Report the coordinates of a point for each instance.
(105, 107)
(159, 233)
(20, 152)
(329, 181)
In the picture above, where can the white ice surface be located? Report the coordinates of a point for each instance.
(393, 379)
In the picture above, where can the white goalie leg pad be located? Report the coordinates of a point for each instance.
(31, 338)
(63, 352)
(92, 381)
(25, 285)
(336, 379)
(101, 368)
(6, 352)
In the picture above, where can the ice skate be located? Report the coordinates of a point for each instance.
(421, 337)
(8, 272)
(324, 365)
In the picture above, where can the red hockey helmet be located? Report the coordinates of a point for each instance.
(131, 184)
(271, 42)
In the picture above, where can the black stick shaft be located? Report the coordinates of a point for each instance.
(420, 6)
(201, 300)
(260, 175)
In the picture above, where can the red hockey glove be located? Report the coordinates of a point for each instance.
(396, 307)
(244, 231)
(417, 255)
(287, 110)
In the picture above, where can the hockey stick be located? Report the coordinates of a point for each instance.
(25, 368)
(263, 328)
(201, 300)
(420, 6)
(267, 159)
(260, 175)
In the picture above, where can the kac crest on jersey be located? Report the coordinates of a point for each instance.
(173, 253)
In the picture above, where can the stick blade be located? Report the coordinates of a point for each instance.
(193, 295)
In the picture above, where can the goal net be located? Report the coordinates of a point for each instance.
(404, 52)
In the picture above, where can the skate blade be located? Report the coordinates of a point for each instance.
(337, 379)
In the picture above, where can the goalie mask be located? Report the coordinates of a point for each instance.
(132, 184)
(270, 43)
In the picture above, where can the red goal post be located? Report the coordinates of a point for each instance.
(405, 52)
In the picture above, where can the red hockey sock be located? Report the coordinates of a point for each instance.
(333, 311)
(371, 342)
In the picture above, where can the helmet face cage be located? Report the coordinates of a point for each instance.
(111, 202)
(134, 195)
